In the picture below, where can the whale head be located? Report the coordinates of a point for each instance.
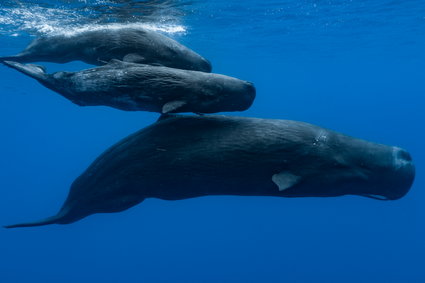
(226, 95)
(341, 165)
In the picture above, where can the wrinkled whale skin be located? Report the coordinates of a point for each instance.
(141, 87)
(186, 156)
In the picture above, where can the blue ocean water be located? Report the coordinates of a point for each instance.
(352, 66)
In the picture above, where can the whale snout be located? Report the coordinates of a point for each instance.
(243, 96)
(205, 65)
(249, 93)
(231, 95)
(387, 173)
(395, 178)
(193, 61)
(402, 174)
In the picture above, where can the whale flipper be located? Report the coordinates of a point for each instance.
(172, 106)
(35, 71)
(285, 180)
(134, 58)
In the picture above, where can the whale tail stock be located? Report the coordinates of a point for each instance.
(56, 219)
(47, 221)
(14, 58)
(35, 71)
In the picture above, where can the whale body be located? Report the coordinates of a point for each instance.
(186, 156)
(141, 87)
(98, 47)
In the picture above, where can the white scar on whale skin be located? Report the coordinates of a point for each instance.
(285, 180)
(321, 138)
(397, 161)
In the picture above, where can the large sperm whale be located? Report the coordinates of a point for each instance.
(131, 87)
(181, 157)
(97, 47)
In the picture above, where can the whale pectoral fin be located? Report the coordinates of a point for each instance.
(172, 106)
(44, 69)
(134, 58)
(285, 180)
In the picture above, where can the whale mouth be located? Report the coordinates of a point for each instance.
(377, 197)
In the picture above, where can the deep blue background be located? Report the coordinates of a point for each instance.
(352, 66)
